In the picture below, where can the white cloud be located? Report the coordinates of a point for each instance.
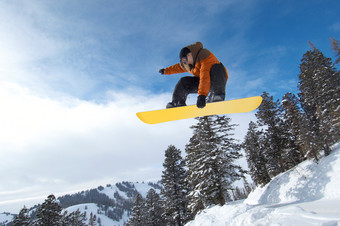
(53, 145)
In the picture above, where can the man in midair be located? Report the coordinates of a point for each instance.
(210, 76)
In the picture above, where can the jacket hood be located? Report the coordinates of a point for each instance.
(194, 49)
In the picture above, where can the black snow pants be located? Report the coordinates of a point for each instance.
(189, 84)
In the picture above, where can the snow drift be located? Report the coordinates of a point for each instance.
(308, 194)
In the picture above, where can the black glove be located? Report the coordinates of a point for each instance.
(201, 101)
(162, 71)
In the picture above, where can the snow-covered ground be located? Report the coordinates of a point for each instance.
(95, 210)
(308, 194)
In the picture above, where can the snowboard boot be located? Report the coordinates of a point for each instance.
(174, 105)
(177, 101)
(217, 98)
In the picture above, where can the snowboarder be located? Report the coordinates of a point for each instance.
(210, 76)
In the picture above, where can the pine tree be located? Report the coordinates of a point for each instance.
(247, 187)
(22, 219)
(293, 130)
(268, 115)
(210, 156)
(138, 212)
(195, 152)
(92, 220)
(74, 219)
(49, 213)
(319, 95)
(227, 152)
(239, 193)
(154, 209)
(174, 187)
(336, 48)
(257, 164)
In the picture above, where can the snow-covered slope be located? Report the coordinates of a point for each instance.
(6, 218)
(127, 189)
(308, 194)
(101, 219)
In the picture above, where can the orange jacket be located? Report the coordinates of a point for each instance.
(203, 61)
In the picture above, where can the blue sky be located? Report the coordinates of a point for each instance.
(74, 73)
(92, 47)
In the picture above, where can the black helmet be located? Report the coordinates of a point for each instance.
(184, 52)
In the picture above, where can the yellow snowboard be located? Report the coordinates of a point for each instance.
(217, 108)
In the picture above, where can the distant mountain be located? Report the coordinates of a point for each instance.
(111, 204)
(6, 219)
